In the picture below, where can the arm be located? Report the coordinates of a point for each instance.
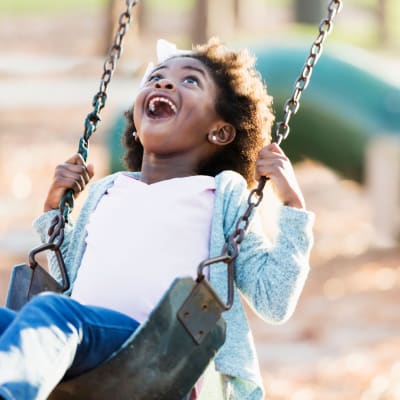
(73, 174)
(271, 276)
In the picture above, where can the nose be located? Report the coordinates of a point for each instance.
(164, 84)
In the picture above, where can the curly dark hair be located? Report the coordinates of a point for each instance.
(242, 101)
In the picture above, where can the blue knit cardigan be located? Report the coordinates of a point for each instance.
(269, 276)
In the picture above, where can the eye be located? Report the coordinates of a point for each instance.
(155, 78)
(192, 80)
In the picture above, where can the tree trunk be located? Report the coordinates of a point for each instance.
(200, 21)
(213, 18)
(308, 11)
(138, 24)
(383, 28)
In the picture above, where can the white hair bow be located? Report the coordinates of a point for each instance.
(165, 50)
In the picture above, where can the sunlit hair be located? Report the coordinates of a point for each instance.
(242, 101)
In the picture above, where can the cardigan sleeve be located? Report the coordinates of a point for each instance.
(271, 276)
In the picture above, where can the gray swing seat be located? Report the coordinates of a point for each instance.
(165, 357)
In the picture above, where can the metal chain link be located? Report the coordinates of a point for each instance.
(292, 105)
(93, 118)
(230, 250)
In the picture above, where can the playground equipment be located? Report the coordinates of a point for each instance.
(170, 351)
(350, 122)
(344, 108)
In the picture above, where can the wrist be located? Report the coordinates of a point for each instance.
(49, 207)
(295, 203)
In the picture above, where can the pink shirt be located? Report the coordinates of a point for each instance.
(140, 238)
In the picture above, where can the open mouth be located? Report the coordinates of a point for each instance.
(160, 107)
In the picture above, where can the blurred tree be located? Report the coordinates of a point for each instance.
(383, 25)
(212, 18)
(113, 9)
(308, 11)
(112, 12)
(200, 20)
(236, 12)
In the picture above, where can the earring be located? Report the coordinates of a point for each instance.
(135, 136)
(214, 137)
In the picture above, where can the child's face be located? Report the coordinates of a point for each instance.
(175, 109)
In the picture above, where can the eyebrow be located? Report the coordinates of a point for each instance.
(190, 67)
(195, 69)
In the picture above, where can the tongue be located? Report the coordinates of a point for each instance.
(162, 110)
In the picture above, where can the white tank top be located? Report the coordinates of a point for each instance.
(140, 238)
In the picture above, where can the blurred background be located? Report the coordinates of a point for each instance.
(343, 341)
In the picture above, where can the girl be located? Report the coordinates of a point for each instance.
(198, 133)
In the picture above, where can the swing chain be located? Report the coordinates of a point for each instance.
(230, 250)
(56, 231)
(282, 129)
(292, 105)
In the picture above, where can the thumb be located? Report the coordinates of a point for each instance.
(90, 169)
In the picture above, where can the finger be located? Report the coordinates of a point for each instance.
(90, 170)
(276, 149)
(264, 171)
(78, 178)
(70, 183)
(61, 186)
(274, 159)
(76, 159)
(76, 172)
(82, 179)
(75, 169)
(87, 170)
(271, 167)
(272, 148)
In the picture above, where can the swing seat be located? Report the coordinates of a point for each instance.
(165, 357)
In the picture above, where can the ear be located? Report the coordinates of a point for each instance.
(222, 135)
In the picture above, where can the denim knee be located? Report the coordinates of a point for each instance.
(47, 299)
(52, 309)
(6, 317)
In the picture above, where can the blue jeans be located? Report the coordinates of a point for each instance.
(54, 336)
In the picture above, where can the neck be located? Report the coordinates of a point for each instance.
(156, 169)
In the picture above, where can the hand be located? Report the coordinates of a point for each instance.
(73, 174)
(273, 164)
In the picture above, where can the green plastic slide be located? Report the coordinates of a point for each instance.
(342, 108)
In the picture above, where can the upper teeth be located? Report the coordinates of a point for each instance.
(154, 100)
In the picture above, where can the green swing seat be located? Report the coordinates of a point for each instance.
(165, 357)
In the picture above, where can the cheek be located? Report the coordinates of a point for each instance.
(137, 113)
